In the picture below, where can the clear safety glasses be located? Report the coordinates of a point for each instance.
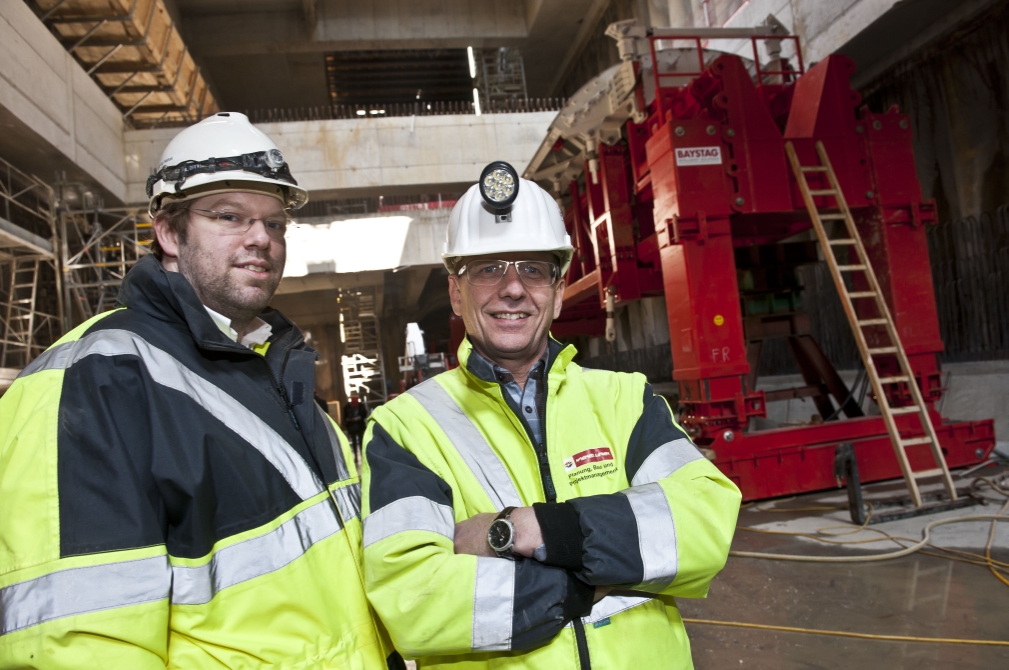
(238, 223)
(533, 274)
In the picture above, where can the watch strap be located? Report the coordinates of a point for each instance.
(505, 513)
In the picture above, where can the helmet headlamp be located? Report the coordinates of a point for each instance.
(499, 185)
(264, 163)
(274, 158)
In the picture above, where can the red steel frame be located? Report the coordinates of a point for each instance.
(656, 224)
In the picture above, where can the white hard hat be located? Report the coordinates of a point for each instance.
(501, 214)
(220, 154)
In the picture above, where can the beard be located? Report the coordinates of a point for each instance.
(220, 285)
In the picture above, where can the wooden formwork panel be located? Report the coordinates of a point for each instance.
(150, 66)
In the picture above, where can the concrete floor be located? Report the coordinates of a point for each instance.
(918, 595)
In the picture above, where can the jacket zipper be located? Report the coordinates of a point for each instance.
(582, 643)
(279, 385)
(282, 392)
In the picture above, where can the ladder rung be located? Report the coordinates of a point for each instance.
(833, 216)
(893, 380)
(814, 168)
(836, 243)
(934, 472)
(883, 350)
(822, 191)
(862, 294)
(910, 409)
(850, 268)
(872, 322)
(143, 225)
(915, 440)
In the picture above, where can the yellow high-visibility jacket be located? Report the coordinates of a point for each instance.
(169, 498)
(655, 518)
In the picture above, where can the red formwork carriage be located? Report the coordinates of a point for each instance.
(681, 187)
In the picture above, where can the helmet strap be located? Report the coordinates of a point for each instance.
(256, 163)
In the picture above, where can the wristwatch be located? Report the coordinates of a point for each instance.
(501, 536)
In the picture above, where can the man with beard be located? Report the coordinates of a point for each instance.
(171, 493)
(521, 511)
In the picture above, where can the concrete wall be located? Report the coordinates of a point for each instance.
(52, 114)
(351, 158)
(355, 25)
(822, 27)
(974, 391)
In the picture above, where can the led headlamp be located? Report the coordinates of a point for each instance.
(499, 185)
(265, 163)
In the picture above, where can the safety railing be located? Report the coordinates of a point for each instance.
(420, 108)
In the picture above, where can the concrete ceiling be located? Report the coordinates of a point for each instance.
(271, 53)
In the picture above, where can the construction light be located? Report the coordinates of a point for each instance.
(476, 100)
(274, 158)
(362, 112)
(374, 111)
(472, 62)
(499, 184)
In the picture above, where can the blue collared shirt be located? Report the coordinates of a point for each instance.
(525, 402)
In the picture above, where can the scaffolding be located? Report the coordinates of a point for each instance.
(30, 301)
(501, 75)
(134, 51)
(98, 247)
(363, 371)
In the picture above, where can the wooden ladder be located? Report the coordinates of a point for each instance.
(847, 297)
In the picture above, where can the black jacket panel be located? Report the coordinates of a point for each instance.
(141, 463)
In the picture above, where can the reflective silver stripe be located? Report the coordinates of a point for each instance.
(611, 605)
(254, 557)
(656, 535)
(493, 604)
(53, 358)
(167, 371)
(334, 441)
(469, 442)
(82, 590)
(348, 500)
(413, 513)
(666, 460)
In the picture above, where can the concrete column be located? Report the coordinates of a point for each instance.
(52, 115)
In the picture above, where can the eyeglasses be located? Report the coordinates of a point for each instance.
(237, 223)
(532, 274)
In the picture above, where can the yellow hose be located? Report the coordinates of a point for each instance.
(872, 557)
(988, 561)
(841, 633)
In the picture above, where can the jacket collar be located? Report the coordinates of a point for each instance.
(480, 370)
(168, 296)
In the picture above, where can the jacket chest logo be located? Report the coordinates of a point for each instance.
(597, 462)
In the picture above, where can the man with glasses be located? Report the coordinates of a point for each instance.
(171, 493)
(521, 511)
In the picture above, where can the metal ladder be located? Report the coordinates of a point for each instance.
(20, 313)
(874, 293)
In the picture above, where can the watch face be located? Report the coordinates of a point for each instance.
(500, 535)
